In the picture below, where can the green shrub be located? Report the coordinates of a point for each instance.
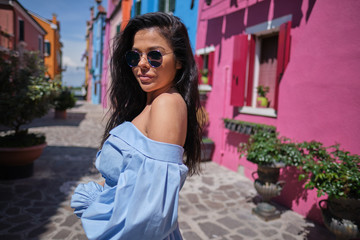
(22, 139)
(330, 170)
(25, 92)
(267, 149)
(64, 100)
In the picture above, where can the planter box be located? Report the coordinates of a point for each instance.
(207, 150)
(247, 128)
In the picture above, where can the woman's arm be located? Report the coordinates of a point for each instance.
(84, 195)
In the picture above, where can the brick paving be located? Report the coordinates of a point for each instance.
(214, 205)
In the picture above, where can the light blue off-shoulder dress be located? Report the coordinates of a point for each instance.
(139, 200)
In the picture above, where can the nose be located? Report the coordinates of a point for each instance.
(143, 61)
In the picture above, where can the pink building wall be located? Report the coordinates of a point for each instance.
(106, 55)
(318, 96)
(114, 20)
(89, 52)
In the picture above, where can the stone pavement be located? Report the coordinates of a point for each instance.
(214, 205)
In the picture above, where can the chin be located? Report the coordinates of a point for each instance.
(146, 88)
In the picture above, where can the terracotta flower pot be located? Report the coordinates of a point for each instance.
(18, 162)
(60, 114)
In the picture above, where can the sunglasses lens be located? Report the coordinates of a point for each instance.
(132, 58)
(154, 58)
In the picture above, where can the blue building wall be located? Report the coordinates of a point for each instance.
(189, 16)
(183, 10)
(98, 39)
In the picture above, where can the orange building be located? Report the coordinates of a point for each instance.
(52, 44)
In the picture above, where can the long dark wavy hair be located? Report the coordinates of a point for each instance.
(128, 99)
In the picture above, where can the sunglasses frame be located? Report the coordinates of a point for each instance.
(147, 57)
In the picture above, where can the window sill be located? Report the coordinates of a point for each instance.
(267, 112)
(204, 88)
(246, 128)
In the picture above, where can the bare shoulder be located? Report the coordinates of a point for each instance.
(168, 119)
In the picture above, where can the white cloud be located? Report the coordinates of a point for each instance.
(67, 61)
(73, 76)
(72, 52)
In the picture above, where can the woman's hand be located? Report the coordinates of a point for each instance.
(102, 183)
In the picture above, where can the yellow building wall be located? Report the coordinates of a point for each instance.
(53, 60)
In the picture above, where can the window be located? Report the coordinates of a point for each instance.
(99, 25)
(205, 61)
(138, 7)
(21, 30)
(47, 50)
(167, 5)
(97, 59)
(267, 62)
(260, 60)
(117, 28)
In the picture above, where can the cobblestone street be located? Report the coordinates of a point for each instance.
(214, 205)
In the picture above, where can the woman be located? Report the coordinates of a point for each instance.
(153, 123)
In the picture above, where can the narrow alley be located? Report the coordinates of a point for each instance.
(215, 205)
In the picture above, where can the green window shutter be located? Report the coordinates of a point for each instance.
(172, 5)
(47, 48)
(138, 7)
(162, 4)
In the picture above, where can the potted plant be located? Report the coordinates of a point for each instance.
(208, 145)
(336, 173)
(262, 100)
(64, 100)
(25, 94)
(204, 76)
(207, 149)
(270, 153)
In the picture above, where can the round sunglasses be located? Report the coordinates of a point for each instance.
(154, 58)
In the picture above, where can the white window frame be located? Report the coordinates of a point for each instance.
(205, 51)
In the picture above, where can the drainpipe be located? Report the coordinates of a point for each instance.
(222, 151)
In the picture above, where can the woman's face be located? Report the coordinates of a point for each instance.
(154, 80)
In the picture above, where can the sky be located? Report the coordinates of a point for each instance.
(72, 15)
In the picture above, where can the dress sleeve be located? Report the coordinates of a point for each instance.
(84, 196)
(143, 204)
